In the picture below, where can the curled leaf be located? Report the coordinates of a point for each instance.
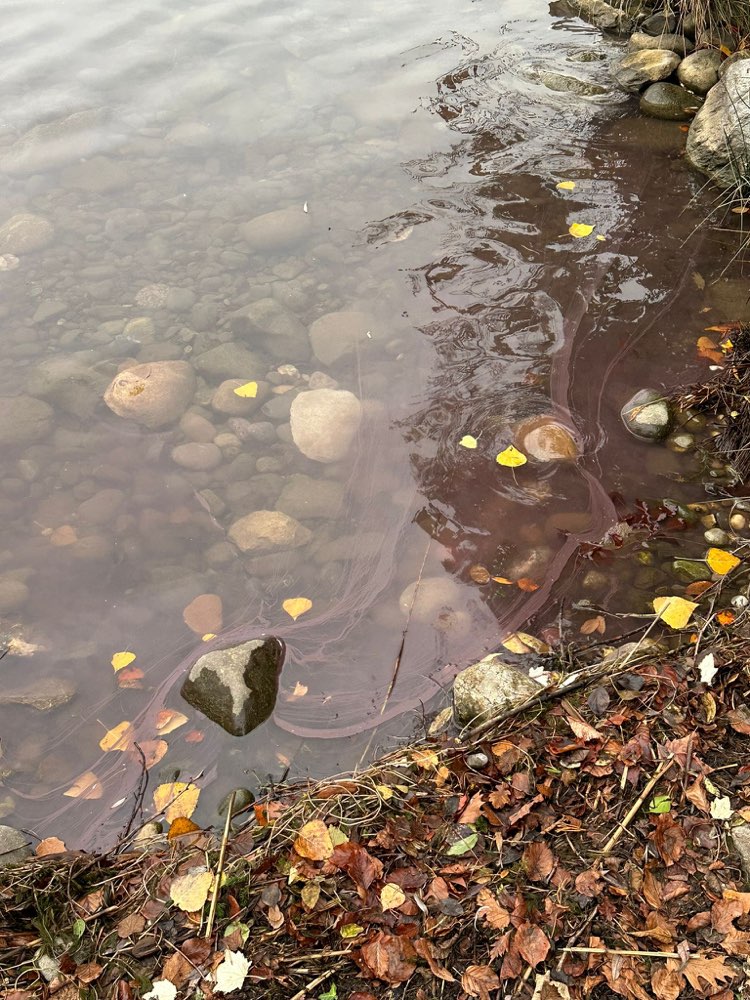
(565, 185)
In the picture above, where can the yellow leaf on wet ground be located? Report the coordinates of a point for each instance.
(580, 230)
(296, 606)
(392, 896)
(300, 690)
(86, 786)
(467, 441)
(120, 660)
(247, 391)
(168, 720)
(117, 738)
(674, 611)
(189, 892)
(175, 799)
(511, 458)
(565, 185)
(314, 841)
(50, 845)
(721, 562)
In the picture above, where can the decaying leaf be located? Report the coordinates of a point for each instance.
(392, 896)
(169, 719)
(539, 861)
(532, 943)
(204, 614)
(296, 606)
(119, 737)
(491, 910)
(595, 624)
(467, 441)
(522, 642)
(314, 841)
(231, 974)
(389, 957)
(479, 574)
(708, 971)
(674, 611)
(175, 799)
(189, 892)
(50, 845)
(87, 786)
(478, 980)
(161, 989)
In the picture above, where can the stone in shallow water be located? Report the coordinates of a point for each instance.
(640, 40)
(670, 102)
(637, 69)
(25, 233)
(276, 230)
(325, 422)
(648, 415)
(489, 688)
(546, 440)
(236, 687)
(14, 846)
(43, 694)
(564, 84)
(337, 334)
(23, 420)
(263, 530)
(717, 141)
(154, 394)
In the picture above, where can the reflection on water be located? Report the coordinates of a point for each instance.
(308, 200)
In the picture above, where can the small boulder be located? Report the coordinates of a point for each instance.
(669, 102)
(437, 601)
(13, 594)
(23, 421)
(263, 530)
(305, 497)
(43, 694)
(337, 334)
(155, 394)
(562, 83)
(325, 423)
(197, 456)
(230, 360)
(25, 233)
(659, 24)
(641, 40)
(489, 688)
(637, 69)
(14, 846)
(547, 440)
(236, 687)
(717, 141)
(276, 231)
(700, 71)
(70, 383)
(227, 402)
(54, 144)
(648, 415)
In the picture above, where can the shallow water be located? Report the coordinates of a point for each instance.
(420, 149)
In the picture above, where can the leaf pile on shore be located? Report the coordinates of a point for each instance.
(580, 849)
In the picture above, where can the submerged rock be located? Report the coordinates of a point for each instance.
(276, 230)
(236, 687)
(14, 846)
(700, 71)
(717, 141)
(648, 415)
(25, 233)
(325, 422)
(52, 145)
(23, 420)
(70, 383)
(546, 440)
(155, 394)
(337, 334)
(489, 688)
(264, 530)
(43, 695)
(564, 84)
(670, 102)
(637, 69)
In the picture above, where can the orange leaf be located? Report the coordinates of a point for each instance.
(527, 584)
(87, 786)
(595, 624)
(64, 535)
(195, 736)
(314, 841)
(50, 845)
(153, 751)
(725, 617)
(182, 826)
(130, 677)
(168, 720)
(698, 588)
(204, 614)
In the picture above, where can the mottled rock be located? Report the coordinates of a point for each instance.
(14, 846)
(197, 456)
(741, 840)
(275, 231)
(25, 233)
(43, 694)
(700, 71)
(637, 69)
(304, 497)
(735, 57)
(260, 431)
(153, 296)
(262, 530)
(717, 141)
(437, 601)
(236, 687)
(547, 440)
(648, 415)
(669, 102)
(325, 423)
(155, 394)
(23, 420)
(337, 334)
(640, 41)
(489, 688)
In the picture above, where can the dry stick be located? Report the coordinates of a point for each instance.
(660, 772)
(220, 867)
(624, 951)
(315, 982)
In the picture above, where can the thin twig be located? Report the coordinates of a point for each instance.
(315, 982)
(624, 951)
(220, 867)
(622, 827)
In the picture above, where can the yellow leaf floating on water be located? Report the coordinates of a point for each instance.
(117, 738)
(511, 458)
(580, 230)
(175, 799)
(467, 441)
(189, 892)
(674, 611)
(600, 238)
(392, 896)
(565, 185)
(296, 606)
(208, 636)
(247, 391)
(721, 562)
(87, 786)
(120, 660)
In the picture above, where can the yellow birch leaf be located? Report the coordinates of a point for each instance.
(87, 786)
(467, 441)
(565, 185)
(392, 896)
(351, 931)
(117, 738)
(674, 611)
(580, 230)
(384, 792)
(721, 562)
(314, 841)
(120, 660)
(247, 391)
(511, 458)
(189, 892)
(175, 799)
(296, 606)
(208, 636)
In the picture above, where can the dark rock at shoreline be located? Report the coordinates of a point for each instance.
(668, 101)
(717, 141)
(659, 24)
(637, 69)
(648, 415)
(236, 687)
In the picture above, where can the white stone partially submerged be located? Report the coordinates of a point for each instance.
(155, 394)
(489, 688)
(325, 423)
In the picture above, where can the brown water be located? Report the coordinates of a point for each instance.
(420, 148)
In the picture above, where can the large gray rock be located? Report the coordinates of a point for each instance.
(669, 102)
(70, 383)
(25, 233)
(325, 423)
(236, 687)
(263, 530)
(489, 688)
(648, 415)
(637, 69)
(717, 142)
(53, 144)
(337, 334)
(640, 40)
(14, 846)
(276, 231)
(700, 71)
(23, 420)
(154, 394)
(282, 333)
